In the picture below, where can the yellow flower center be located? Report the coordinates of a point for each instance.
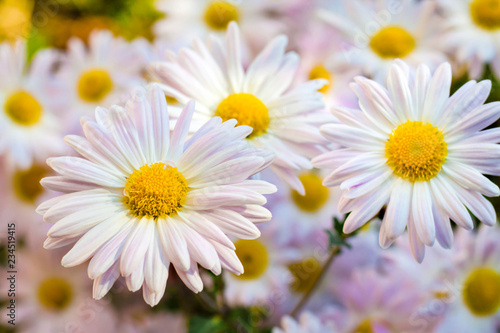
(55, 293)
(392, 42)
(247, 110)
(94, 85)
(27, 183)
(305, 274)
(320, 72)
(171, 100)
(486, 13)
(481, 293)
(316, 194)
(23, 109)
(254, 258)
(155, 191)
(218, 14)
(364, 327)
(416, 151)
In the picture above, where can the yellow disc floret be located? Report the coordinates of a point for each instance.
(55, 293)
(94, 85)
(23, 109)
(316, 194)
(254, 258)
(481, 293)
(305, 274)
(416, 151)
(364, 327)
(155, 191)
(486, 13)
(218, 14)
(392, 42)
(320, 72)
(26, 183)
(247, 110)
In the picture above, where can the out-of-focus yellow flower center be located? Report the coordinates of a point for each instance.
(219, 14)
(305, 274)
(254, 258)
(392, 42)
(320, 72)
(316, 194)
(27, 183)
(481, 293)
(23, 109)
(171, 100)
(94, 85)
(486, 13)
(416, 151)
(155, 191)
(55, 293)
(16, 18)
(247, 110)
(364, 327)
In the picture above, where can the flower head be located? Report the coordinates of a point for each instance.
(418, 151)
(142, 197)
(284, 119)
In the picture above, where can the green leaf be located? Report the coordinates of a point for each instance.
(199, 324)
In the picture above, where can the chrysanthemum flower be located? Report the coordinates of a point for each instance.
(377, 32)
(29, 128)
(50, 298)
(141, 197)
(418, 151)
(284, 119)
(307, 322)
(102, 74)
(266, 274)
(191, 19)
(473, 33)
(471, 287)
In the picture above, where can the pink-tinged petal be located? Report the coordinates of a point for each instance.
(228, 258)
(76, 224)
(156, 267)
(65, 184)
(191, 277)
(151, 296)
(444, 232)
(205, 227)
(135, 280)
(110, 252)
(398, 212)
(416, 245)
(235, 71)
(91, 241)
(478, 205)
(471, 179)
(474, 121)
(83, 170)
(226, 195)
(200, 249)
(134, 250)
(421, 210)
(232, 223)
(174, 243)
(105, 281)
(55, 243)
(437, 94)
(180, 133)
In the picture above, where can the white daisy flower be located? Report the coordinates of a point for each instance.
(377, 32)
(29, 128)
(143, 197)
(49, 298)
(296, 217)
(473, 33)
(102, 74)
(418, 151)
(191, 19)
(266, 272)
(284, 119)
(472, 288)
(307, 323)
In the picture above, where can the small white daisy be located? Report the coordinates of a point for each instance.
(471, 289)
(143, 197)
(29, 128)
(266, 274)
(191, 19)
(307, 323)
(49, 298)
(377, 32)
(284, 119)
(418, 151)
(102, 74)
(473, 33)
